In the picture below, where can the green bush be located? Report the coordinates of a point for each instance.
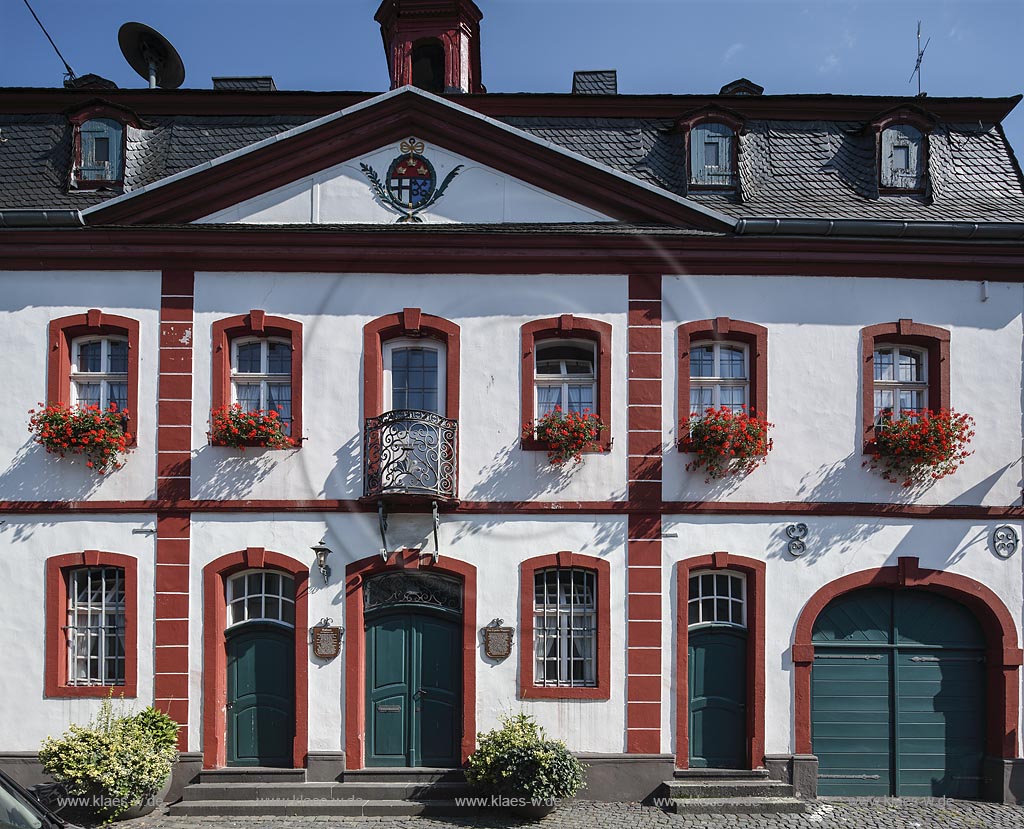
(116, 761)
(518, 760)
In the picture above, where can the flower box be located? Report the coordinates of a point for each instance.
(234, 426)
(101, 437)
(726, 442)
(920, 447)
(566, 435)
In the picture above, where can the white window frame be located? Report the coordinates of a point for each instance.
(564, 612)
(896, 385)
(563, 378)
(717, 382)
(241, 599)
(89, 645)
(388, 350)
(715, 597)
(263, 376)
(104, 377)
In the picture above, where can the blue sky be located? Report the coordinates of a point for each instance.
(658, 46)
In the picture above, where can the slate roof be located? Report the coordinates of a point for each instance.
(787, 169)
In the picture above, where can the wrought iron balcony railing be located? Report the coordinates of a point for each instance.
(409, 452)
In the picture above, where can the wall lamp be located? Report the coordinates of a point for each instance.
(322, 551)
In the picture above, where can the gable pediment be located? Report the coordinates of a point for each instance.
(313, 174)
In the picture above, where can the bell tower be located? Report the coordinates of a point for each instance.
(432, 44)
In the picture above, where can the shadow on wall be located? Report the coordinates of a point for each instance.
(345, 480)
(36, 475)
(231, 474)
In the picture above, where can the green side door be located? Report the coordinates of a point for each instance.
(260, 696)
(718, 692)
(414, 680)
(898, 696)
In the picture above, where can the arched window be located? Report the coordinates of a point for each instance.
(101, 148)
(901, 154)
(719, 376)
(99, 372)
(261, 596)
(261, 376)
(717, 597)
(712, 155)
(901, 382)
(428, 66)
(565, 376)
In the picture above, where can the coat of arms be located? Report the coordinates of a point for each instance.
(411, 182)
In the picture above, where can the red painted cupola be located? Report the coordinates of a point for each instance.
(432, 44)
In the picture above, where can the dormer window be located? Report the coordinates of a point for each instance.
(99, 153)
(712, 155)
(902, 158)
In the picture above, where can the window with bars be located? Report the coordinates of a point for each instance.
(565, 627)
(901, 382)
(261, 376)
(719, 376)
(261, 596)
(99, 372)
(96, 626)
(717, 598)
(565, 376)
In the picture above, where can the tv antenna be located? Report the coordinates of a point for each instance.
(920, 55)
(151, 55)
(69, 73)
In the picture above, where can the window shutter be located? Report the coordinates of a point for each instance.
(709, 143)
(102, 150)
(903, 178)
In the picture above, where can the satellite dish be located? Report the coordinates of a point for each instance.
(151, 55)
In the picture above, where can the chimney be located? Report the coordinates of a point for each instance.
(598, 82)
(256, 83)
(432, 44)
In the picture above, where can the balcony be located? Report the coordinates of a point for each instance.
(410, 454)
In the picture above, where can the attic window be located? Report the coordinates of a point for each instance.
(902, 158)
(100, 153)
(712, 156)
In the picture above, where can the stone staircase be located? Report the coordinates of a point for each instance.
(240, 792)
(730, 792)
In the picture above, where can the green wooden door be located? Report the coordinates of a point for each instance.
(414, 680)
(898, 696)
(260, 696)
(718, 693)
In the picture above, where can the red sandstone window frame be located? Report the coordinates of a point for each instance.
(94, 322)
(934, 340)
(567, 327)
(58, 571)
(602, 657)
(409, 323)
(260, 325)
(724, 330)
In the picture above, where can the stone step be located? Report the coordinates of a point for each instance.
(720, 774)
(739, 806)
(405, 775)
(326, 791)
(252, 775)
(335, 808)
(738, 787)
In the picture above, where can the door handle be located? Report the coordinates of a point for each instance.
(419, 694)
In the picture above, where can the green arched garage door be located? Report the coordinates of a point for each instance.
(898, 696)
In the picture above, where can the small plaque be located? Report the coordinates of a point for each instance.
(326, 641)
(498, 642)
(389, 709)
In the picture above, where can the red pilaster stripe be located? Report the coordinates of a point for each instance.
(644, 449)
(173, 530)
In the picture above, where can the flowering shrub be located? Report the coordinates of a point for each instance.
(726, 442)
(102, 437)
(918, 448)
(115, 762)
(567, 434)
(234, 426)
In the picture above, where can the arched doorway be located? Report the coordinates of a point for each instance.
(255, 619)
(412, 643)
(1002, 655)
(898, 696)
